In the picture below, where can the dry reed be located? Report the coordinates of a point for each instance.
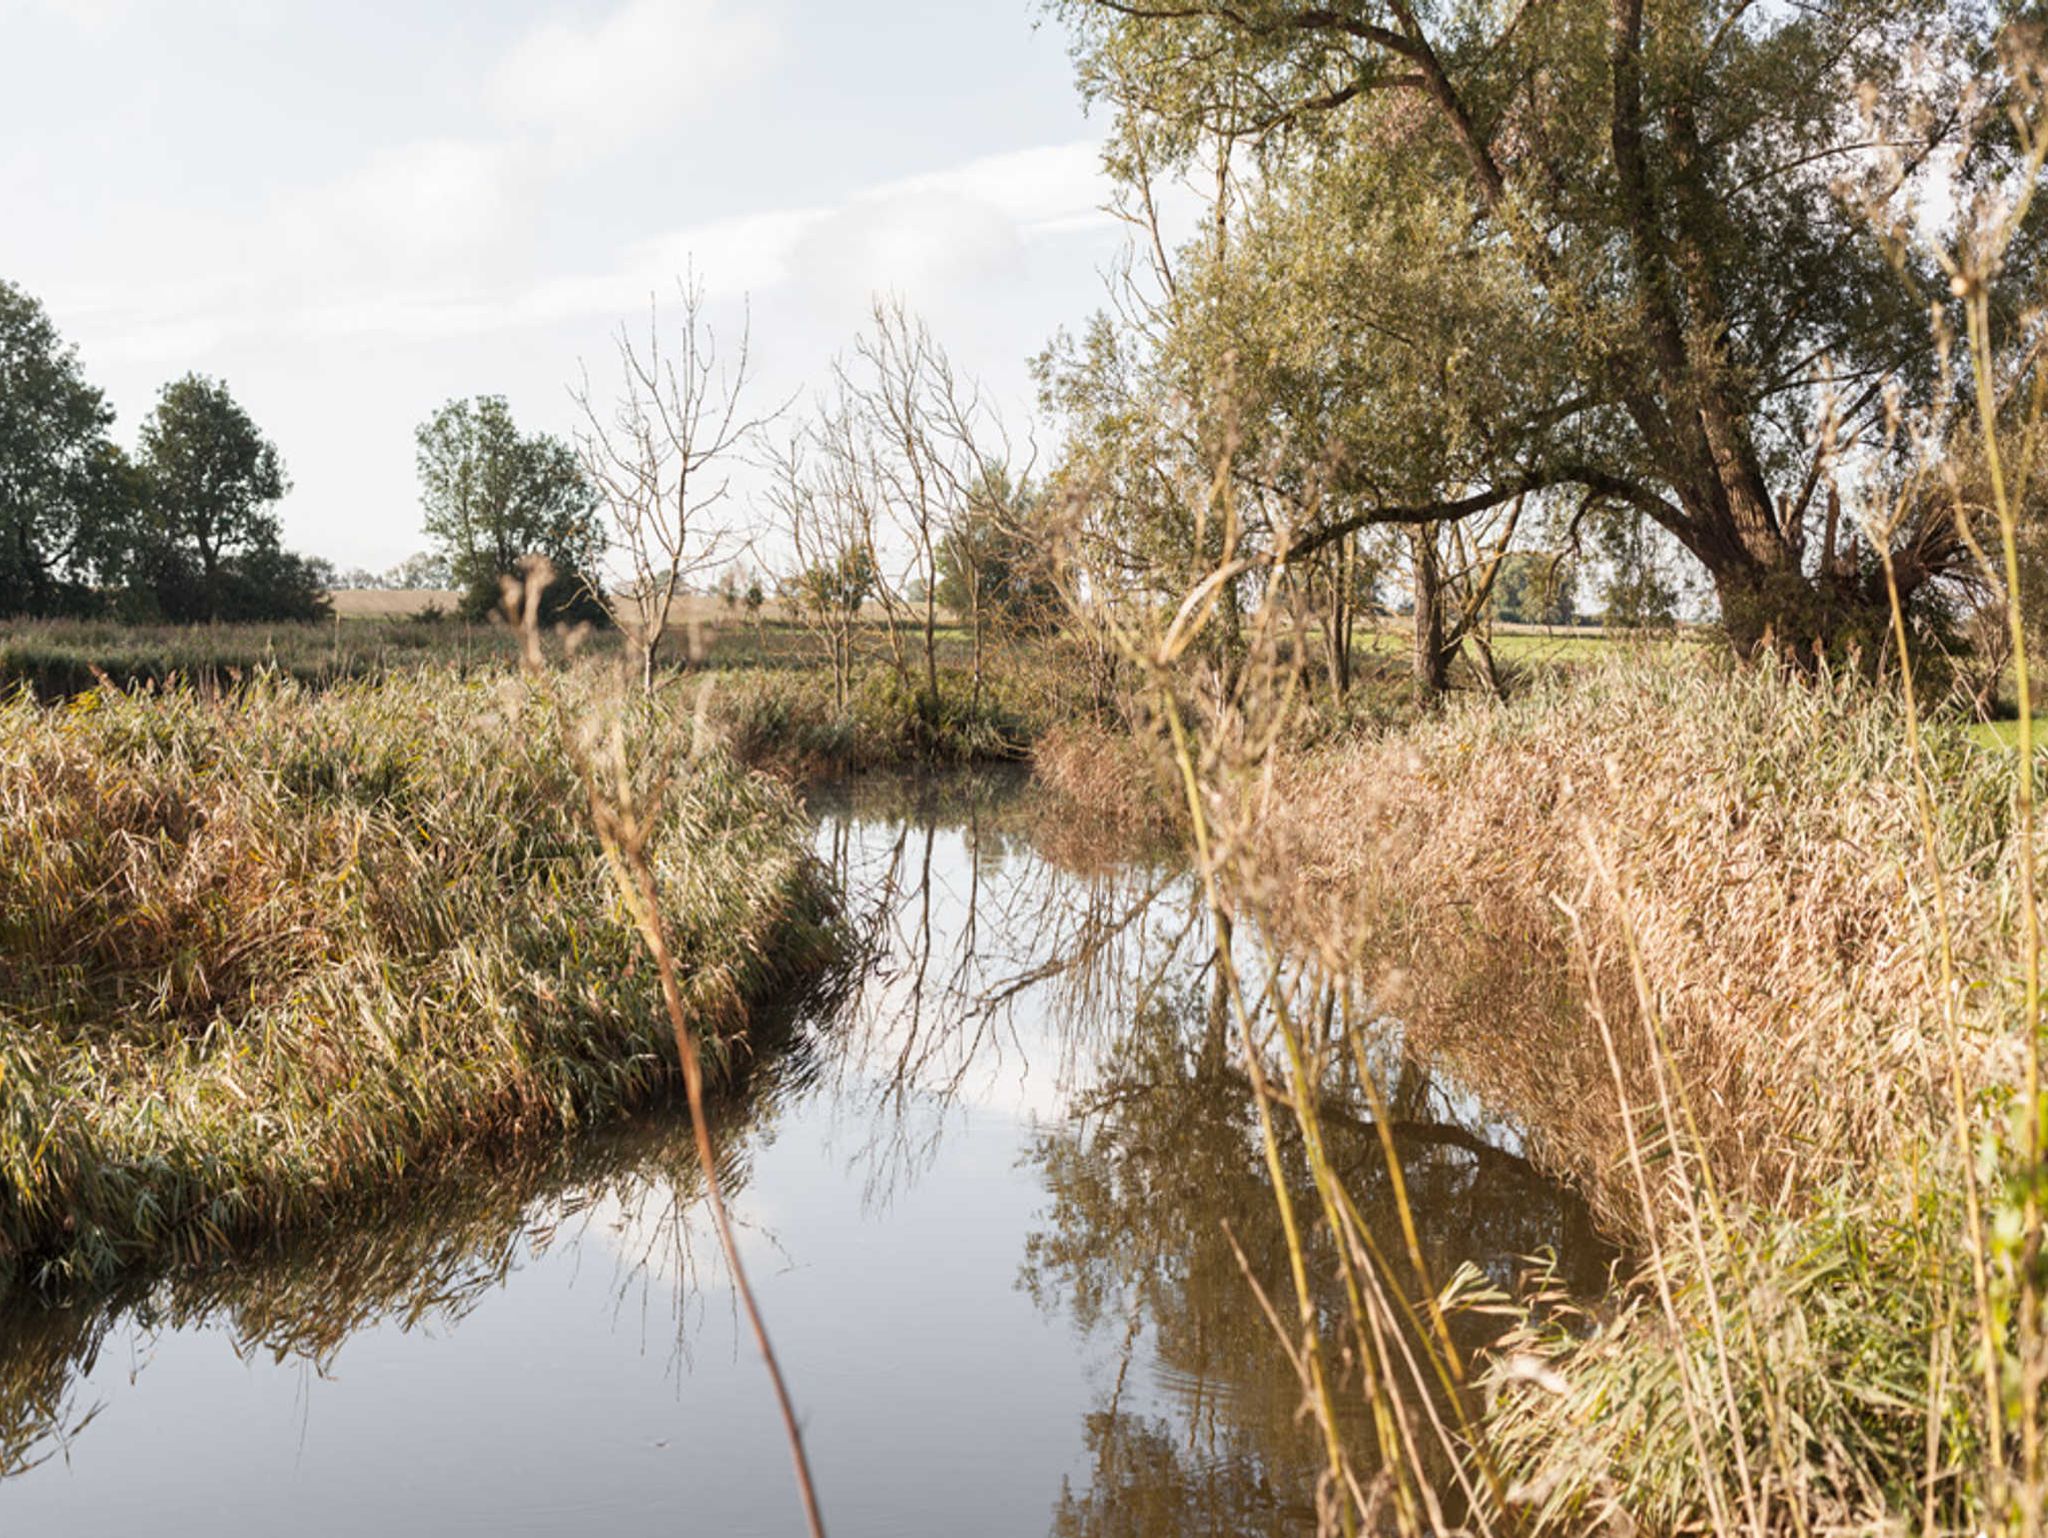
(262, 955)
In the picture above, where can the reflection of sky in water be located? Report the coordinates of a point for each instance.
(889, 1176)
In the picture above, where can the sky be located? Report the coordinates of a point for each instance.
(352, 213)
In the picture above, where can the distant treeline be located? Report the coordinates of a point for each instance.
(180, 528)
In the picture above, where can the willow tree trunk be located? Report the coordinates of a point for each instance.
(1430, 665)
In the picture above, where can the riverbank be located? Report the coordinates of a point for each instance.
(270, 949)
(260, 955)
(1714, 975)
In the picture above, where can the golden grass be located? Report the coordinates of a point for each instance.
(1109, 779)
(263, 954)
(1763, 858)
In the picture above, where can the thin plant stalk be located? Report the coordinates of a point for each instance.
(624, 827)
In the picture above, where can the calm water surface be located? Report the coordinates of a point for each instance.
(983, 1198)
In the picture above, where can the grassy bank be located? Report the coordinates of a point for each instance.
(1763, 866)
(770, 693)
(789, 719)
(1712, 973)
(262, 955)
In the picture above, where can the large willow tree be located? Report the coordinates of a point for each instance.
(1649, 256)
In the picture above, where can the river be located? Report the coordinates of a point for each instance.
(983, 1191)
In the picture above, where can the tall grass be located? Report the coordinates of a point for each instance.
(1755, 833)
(261, 955)
(789, 719)
(1700, 967)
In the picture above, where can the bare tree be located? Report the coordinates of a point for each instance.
(659, 458)
(933, 448)
(828, 529)
(847, 483)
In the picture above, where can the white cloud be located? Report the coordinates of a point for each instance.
(925, 235)
(1053, 187)
(921, 236)
(435, 209)
(421, 244)
(96, 18)
(909, 243)
(649, 62)
(749, 253)
(90, 15)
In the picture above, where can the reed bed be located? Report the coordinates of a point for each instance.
(263, 954)
(788, 719)
(1108, 779)
(1676, 919)
(1752, 954)
(1747, 840)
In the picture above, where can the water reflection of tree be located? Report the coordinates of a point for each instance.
(1157, 1187)
(986, 948)
(990, 945)
(1019, 932)
(1148, 1483)
(984, 957)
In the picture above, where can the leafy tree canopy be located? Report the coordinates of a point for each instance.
(995, 564)
(211, 477)
(493, 496)
(208, 545)
(1645, 255)
(1534, 588)
(63, 484)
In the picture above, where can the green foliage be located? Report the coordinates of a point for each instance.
(207, 542)
(1610, 254)
(422, 570)
(493, 496)
(184, 531)
(56, 659)
(996, 564)
(836, 587)
(1831, 1332)
(1638, 592)
(63, 503)
(788, 718)
(1536, 589)
(210, 477)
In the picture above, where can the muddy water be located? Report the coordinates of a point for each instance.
(984, 1193)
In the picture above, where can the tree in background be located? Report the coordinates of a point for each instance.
(493, 496)
(1536, 588)
(659, 460)
(995, 562)
(1639, 592)
(823, 510)
(419, 572)
(903, 443)
(995, 565)
(208, 544)
(66, 504)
